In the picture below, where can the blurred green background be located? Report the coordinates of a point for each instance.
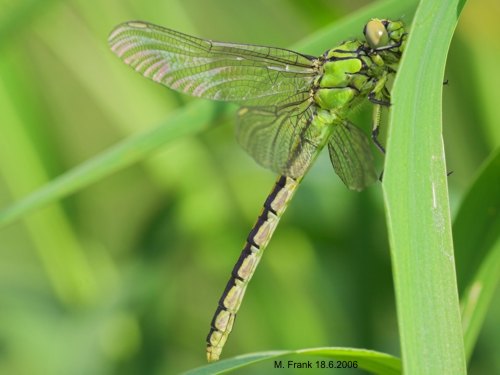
(124, 276)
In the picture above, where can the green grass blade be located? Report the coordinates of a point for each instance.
(374, 362)
(477, 245)
(477, 298)
(63, 257)
(416, 199)
(477, 224)
(188, 121)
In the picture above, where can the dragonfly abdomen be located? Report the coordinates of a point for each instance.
(243, 270)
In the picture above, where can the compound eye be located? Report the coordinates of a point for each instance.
(376, 34)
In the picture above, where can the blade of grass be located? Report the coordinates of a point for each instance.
(477, 298)
(477, 224)
(477, 243)
(416, 199)
(62, 256)
(374, 362)
(185, 122)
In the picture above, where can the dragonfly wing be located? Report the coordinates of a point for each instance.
(279, 138)
(351, 156)
(241, 73)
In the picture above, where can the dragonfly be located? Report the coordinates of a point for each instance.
(292, 106)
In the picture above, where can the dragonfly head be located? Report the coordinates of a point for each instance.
(385, 37)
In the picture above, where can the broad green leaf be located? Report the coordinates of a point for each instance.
(416, 199)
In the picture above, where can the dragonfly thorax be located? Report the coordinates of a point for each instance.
(345, 75)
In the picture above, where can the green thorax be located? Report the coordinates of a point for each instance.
(346, 74)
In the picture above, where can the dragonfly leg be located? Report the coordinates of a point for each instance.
(380, 94)
(381, 176)
(376, 127)
(375, 131)
(380, 97)
(377, 101)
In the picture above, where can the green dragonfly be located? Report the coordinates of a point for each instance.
(293, 106)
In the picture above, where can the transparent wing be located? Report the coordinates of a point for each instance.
(280, 138)
(351, 156)
(241, 73)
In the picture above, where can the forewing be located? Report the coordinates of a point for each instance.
(351, 156)
(280, 139)
(241, 73)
